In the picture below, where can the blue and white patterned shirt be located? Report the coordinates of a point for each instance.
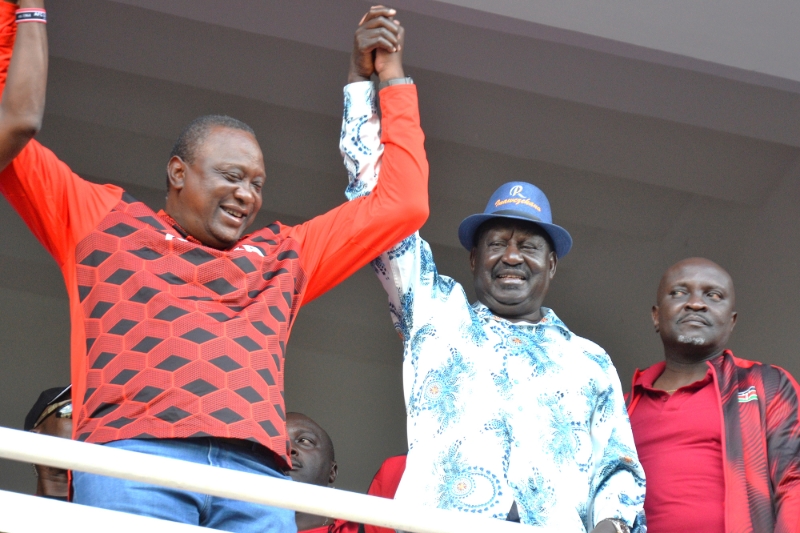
(497, 411)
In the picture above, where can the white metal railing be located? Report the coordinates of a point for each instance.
(183, 475)
(20, 513)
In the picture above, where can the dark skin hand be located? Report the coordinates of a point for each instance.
(377, 47)
(695, 316)
(52, 481)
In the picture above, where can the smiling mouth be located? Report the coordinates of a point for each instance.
(518, 277)
(236, 214)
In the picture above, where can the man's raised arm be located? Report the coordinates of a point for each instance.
(22, 106)
(346, 238)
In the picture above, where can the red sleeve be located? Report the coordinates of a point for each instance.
(8, 31)
(59, 207)
(783, 450)
(341, 241)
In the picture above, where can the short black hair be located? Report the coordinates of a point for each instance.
(196, 132)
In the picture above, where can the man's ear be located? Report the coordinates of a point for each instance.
(472, 258)
(334, 472)
(176, 172)
(654, 314)
(553, 263)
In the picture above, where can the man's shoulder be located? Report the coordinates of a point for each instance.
(575, 341)
(586, 345)
(590, 350)
(772, 377)
(271, 234)
(749, 366)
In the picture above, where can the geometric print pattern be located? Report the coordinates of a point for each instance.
(183, 340)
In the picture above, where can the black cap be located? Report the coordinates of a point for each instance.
(46, 398)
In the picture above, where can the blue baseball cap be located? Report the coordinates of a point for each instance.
(521, 201)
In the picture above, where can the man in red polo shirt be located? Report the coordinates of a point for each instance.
(718, 436)
(180, 318)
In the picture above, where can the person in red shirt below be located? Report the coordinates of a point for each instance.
(718, 436)
(180, 318)
(385, 484)
(314, 462)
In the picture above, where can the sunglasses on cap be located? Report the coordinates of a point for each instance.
(61, 409)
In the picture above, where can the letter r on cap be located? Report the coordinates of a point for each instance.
(516, 190)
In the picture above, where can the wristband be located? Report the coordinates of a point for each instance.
(395, 81)
(31, 15)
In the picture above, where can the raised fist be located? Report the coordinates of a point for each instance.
(377, 46)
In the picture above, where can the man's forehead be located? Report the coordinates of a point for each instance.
(231, 141)
(298, 422)
(697, 272)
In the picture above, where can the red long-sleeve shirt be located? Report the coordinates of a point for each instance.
(173, 339)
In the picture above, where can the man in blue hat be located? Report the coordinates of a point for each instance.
(510, 414)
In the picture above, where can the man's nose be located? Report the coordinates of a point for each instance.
(512, 255)
(244, 193)
(696, 302)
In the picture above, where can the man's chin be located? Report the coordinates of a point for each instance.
(224, 239)
(508, 308)
(694, 340)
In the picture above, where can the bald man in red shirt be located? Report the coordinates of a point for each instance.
(718, 436)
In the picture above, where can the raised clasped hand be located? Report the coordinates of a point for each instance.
(377, 46)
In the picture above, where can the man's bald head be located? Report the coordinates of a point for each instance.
(311, 450)
(695, 309)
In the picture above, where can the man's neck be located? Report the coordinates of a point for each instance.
(683, 369)
(533, 318)
(309, 521)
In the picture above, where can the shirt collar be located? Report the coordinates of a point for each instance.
(549, 318)
(645, 379)
(171, 222)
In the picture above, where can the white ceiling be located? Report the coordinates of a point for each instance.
(657, 132)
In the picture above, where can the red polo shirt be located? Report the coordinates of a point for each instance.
(679, 441)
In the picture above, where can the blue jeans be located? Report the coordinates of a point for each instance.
(189, 507)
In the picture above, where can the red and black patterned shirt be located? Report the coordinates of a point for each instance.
(173, 339)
